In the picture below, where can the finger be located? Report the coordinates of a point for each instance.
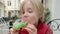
(32, 27)
(12, 31)
(29, 30)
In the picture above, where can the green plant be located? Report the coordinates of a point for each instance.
(14, 17)
(47, 15)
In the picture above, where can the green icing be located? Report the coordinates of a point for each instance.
(20, 25)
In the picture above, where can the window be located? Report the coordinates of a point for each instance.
(9, 3)
(42, 1)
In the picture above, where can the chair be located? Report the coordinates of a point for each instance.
(55, 24)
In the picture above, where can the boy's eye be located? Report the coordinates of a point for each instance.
(30, 10)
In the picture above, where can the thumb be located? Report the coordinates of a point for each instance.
(12, 31)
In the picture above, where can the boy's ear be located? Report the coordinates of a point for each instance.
(40, 16)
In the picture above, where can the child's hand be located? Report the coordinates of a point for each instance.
(12, 31)
(31, 29)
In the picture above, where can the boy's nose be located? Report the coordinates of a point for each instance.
(25, 15)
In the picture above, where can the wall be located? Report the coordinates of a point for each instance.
(54, 6)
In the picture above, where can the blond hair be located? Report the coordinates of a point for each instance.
(37, 5)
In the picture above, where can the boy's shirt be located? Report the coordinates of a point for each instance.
(44, 29)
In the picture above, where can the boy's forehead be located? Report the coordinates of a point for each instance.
(27, 4)
(24, 1)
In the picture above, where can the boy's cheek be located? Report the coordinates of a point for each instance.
(33, 19)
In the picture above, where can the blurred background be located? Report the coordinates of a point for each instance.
(10, 9)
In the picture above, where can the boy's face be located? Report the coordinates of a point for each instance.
(30, 13)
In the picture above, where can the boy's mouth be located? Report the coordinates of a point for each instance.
(25, 19)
